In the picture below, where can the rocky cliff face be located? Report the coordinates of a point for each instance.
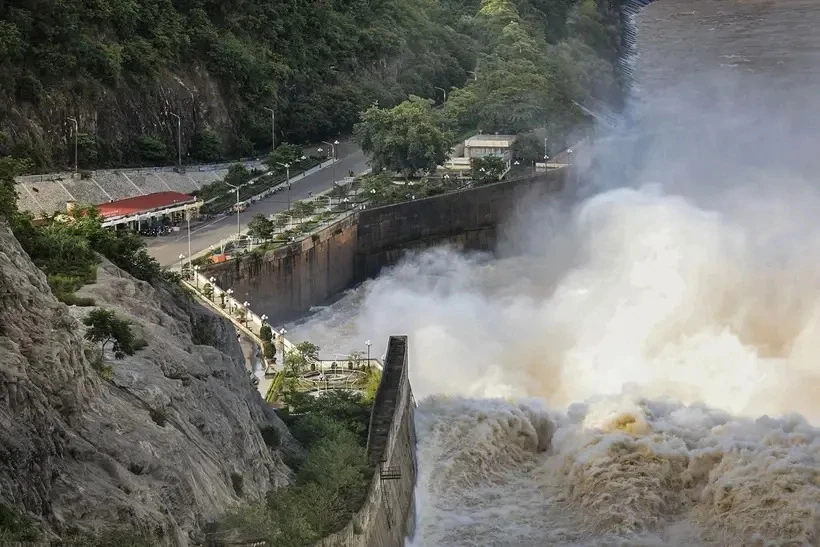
(165, 446)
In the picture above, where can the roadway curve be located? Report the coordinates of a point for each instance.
(166, 249)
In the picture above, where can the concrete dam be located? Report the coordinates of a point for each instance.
(644, 371)
(287, 282)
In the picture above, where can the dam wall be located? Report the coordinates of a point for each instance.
(468, 219)
(388, 513)
(288, 281)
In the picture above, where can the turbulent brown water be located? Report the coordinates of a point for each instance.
(647, 372)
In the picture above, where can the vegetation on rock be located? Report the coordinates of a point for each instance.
(104, 328)
(122, 68)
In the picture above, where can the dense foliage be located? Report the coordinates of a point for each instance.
(331, 479)
(317, 64)
(67, 247)
(407, 138)
(530, 75)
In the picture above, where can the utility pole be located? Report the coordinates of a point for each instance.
(272, 128)
(179, 139)
(76, 132)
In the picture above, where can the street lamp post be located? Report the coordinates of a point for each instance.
(181, 263)
(179, 138)
(272, 128)
(196, 276)
(333, 152)
(76, 133)
(245, 305)
(287, 179)
(368, 344)
(282, 333)
(188, 220)
(545, 147)
(238, 227)
(229, 292)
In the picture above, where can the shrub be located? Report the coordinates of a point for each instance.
(106, 328)
(14, 527)
(265, 333)
(96, 362)
(271, 436)
(237, 483)
(159, 416)
(269, 350)
(202, 333)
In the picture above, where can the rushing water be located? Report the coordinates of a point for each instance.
(646, 373)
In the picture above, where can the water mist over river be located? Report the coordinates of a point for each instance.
(647, 372)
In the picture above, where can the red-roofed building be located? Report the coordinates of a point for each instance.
(173, 205)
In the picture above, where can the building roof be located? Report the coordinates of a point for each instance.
(490, 141)
(142, 204)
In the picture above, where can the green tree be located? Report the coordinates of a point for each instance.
(280, 221)
(308, 349)
(284, 153)
(206, 147)
(260, 227)
(529, 147)
(106, 328)
(208, 291)
(487, 169)
(9, 168)
(407, 138)
(86, 150)
(237, 174)
(302, 209)
(265, 333)
(152, 150)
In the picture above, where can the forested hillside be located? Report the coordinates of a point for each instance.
(123, 67)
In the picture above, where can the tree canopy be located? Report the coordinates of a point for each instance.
(316, 64)
(408, 138)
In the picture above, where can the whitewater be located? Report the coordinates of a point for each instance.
(638, 363)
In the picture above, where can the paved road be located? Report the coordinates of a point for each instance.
(166, 249)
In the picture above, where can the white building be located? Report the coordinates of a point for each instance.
(479, 146)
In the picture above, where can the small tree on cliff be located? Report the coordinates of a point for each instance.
(106, 328)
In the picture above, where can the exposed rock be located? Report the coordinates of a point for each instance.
(167, 445)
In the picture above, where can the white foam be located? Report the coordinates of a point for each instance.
(657, 332)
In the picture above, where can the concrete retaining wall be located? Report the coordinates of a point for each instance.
(287, 282)
(388, 513)
(467, 219)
